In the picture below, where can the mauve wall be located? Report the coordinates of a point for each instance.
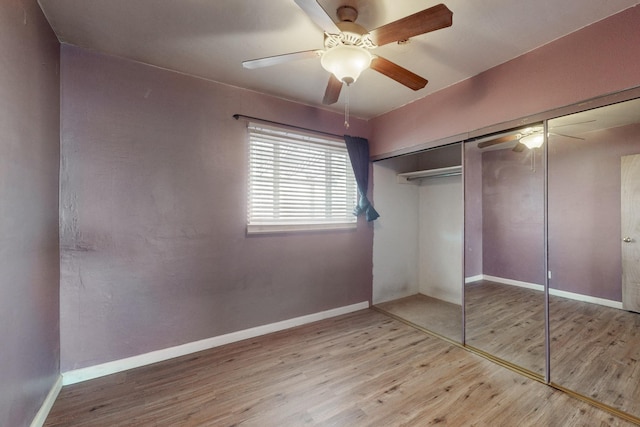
(584, 211)
(29, 257)
(598, 59)
(153, 211)
(513, 215)
(472, 211)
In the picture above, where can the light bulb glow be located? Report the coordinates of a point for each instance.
(346, 62)
(534, 140)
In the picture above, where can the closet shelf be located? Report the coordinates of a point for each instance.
(409, 177)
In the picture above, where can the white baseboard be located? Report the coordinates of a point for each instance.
(586, 298)
(45, 408)
(512, 282)
(473, 278)
(556, 292)
(96, 371)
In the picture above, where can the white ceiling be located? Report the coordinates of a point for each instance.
(211, 38)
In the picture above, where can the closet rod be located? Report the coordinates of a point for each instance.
(430, 173)
(333, 135)
(434, 176)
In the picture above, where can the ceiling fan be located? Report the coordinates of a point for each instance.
(348, 46)
(530, 137)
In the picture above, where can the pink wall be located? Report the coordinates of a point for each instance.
(153, 189)
(596, 60)
(584, 211)
(153, 251)
(29, 257)
(513, 216)
(472, 211)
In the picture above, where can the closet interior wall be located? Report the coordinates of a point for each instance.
(421, 225)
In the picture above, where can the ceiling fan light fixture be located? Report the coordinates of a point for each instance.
(534, 140)
(346, 62)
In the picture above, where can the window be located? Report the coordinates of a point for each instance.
(298, 181)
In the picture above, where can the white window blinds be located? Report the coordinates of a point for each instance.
(298, 181)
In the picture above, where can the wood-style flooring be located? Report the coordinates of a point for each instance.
(507, 322)
(504, 321)
(594, 350)
(441, 317)
(361, 369)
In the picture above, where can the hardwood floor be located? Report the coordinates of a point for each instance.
(507, 322)
(361, 369)
(595, 351)
(502, 320)
(441, 317)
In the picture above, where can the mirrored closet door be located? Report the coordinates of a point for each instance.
(504, 248)
(594, 254)
(555, 203)
(417, 247)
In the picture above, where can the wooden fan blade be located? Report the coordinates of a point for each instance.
(280, 59)
(332, 93)
(428, 20)
(318, 16)
(519, 147)
(500, 140)
(397, 73)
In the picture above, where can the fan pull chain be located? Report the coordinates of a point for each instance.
(346, 109)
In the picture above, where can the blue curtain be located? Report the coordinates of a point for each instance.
(358, 149)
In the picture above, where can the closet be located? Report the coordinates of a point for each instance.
(417, 261)
(522, 245)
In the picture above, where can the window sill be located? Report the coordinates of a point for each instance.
(294, 228)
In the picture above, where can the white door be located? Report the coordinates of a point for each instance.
(630, 204)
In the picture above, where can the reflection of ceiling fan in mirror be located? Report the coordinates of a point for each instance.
(348, 46)
(531, 137)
